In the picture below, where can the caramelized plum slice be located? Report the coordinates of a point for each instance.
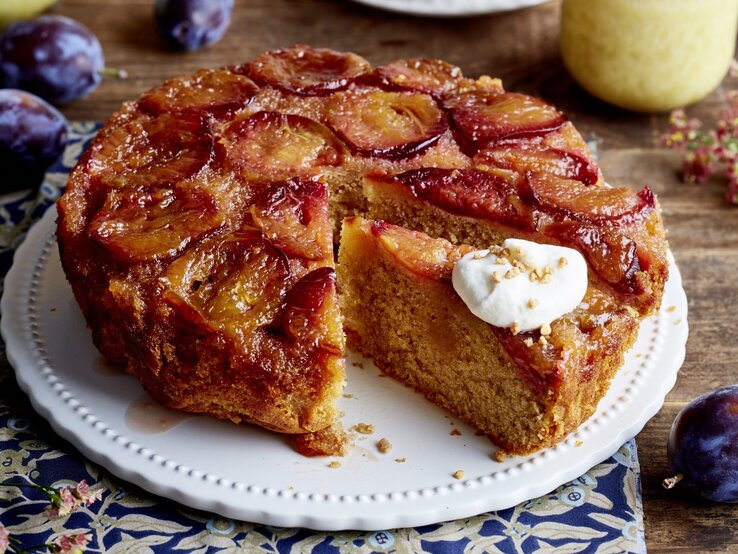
(386, 124)
(279, 146)
(537, 365)
(600, 205)
(148, 225)
(294, 216)
(523, 156)
(232, 284)
(612, 255)
(304, 317)
(434, 77)
(215, 91)
(305, 70)
(484, 118)
(469, 192)
(419, 253)
(152, 152)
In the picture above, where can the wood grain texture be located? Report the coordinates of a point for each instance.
(521, 48)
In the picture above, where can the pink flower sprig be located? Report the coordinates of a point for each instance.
(707, 151)
(69, 544)
(4, 539)
(62, 502)
(66, 500)
(63, 544)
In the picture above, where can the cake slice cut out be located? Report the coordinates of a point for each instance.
(523, 392)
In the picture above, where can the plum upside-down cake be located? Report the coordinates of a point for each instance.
(198, 233)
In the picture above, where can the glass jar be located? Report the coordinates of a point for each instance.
(648, 55)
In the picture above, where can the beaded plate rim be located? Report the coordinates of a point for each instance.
(637, 393)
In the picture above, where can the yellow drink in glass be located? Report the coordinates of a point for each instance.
(648, 55)
(13, 10)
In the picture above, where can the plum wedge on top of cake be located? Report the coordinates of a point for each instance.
(198, 234)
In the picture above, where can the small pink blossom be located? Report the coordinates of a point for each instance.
(66, 500)
(698, 165)
(63, 503)
(4, 539)
(70, 544)
(84, 495)
(682, 131)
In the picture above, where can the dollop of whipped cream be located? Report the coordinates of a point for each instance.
(522, 285)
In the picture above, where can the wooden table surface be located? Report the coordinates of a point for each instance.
(522, 48)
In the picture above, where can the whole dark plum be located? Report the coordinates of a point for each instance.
(193, 24)
(703, 446)
(53, 57)
(32, 136)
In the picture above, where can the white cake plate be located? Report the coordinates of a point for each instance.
(450, 8)
(243, 472)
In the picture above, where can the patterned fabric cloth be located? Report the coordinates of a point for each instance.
(600, 512)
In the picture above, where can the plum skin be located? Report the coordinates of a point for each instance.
(33, 135)
(703, 445)
(193, 24)
(54, 57)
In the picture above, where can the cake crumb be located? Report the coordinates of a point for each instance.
(578, 444)
(532, 303)
(631, 311)
(400, 460)
(546, 329)
(543, 340)
(515, 328)
(477, 256)
(384, 446)
(528, 342)
(455, 432)
(364, 428)
(360, 365)
(562, 261)
(497, 276)
(348, 395)
(671, 309)
(458, 474)
(335, 464)
(500, 456)
(330, 441)
(678, 321)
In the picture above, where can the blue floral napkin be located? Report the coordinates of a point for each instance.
(598, 512)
